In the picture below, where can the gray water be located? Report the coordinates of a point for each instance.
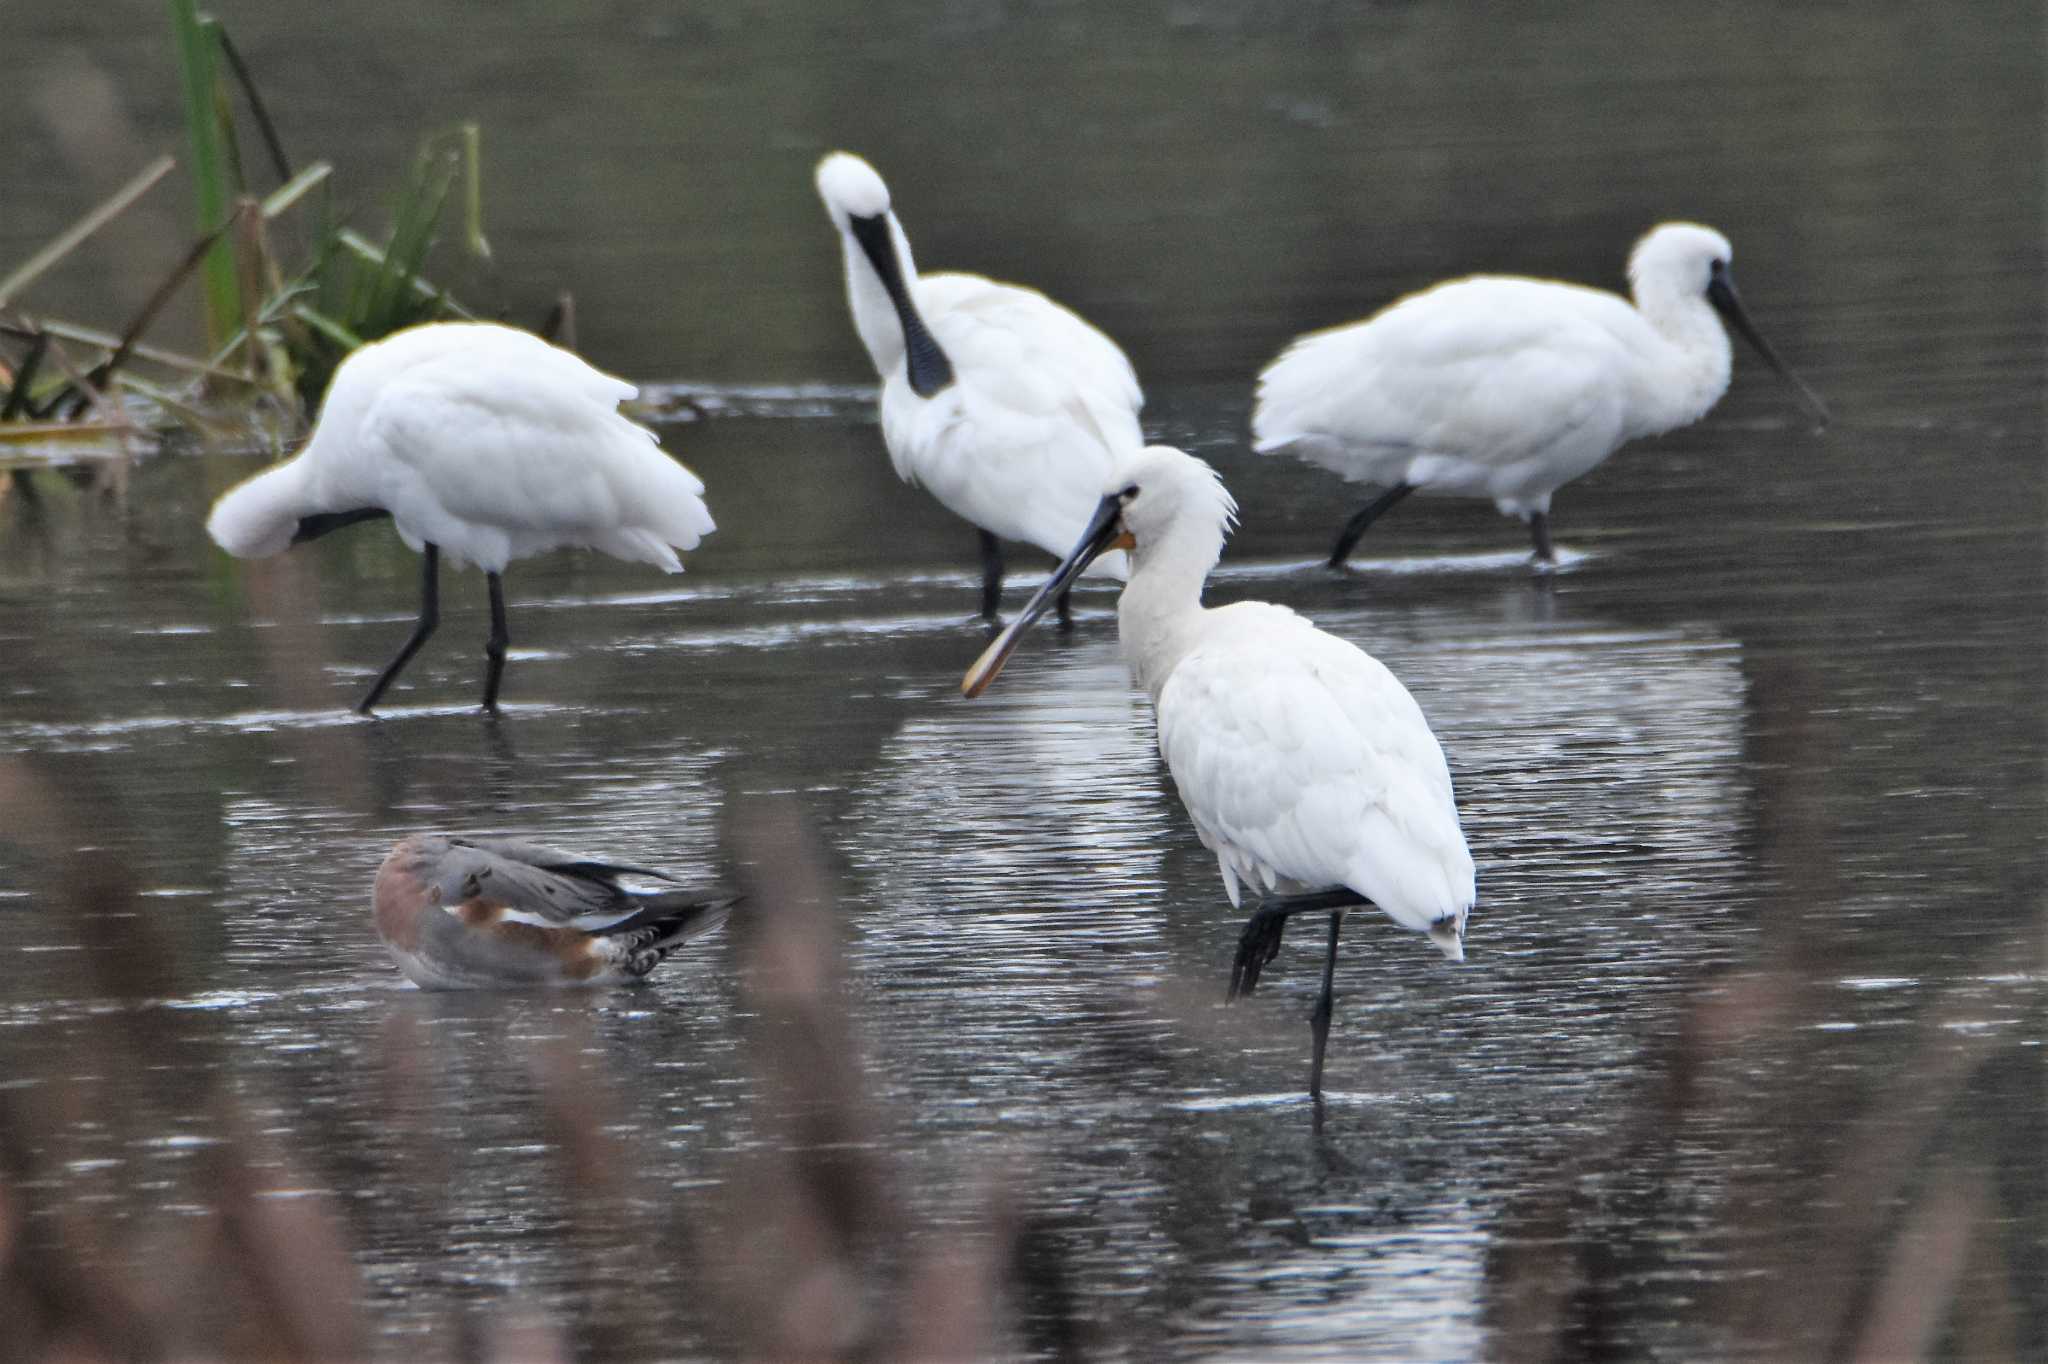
(1746, 1058)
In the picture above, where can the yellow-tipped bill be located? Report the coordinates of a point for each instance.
(1105, 532)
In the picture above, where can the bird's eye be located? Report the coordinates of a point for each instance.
(1130, 494)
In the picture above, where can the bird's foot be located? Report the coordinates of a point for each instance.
(1256, 948)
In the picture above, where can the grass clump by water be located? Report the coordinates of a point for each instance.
(277, 323)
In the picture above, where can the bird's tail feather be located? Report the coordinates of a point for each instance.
(677, 512)
(1449, 936)
(668, 919)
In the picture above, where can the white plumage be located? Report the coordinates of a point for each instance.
(1008, 408)
(1305, 765)
(1508, 388)
(483, 440)
(480, 441)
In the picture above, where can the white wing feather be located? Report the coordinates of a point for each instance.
(493, 445)
(1042, 409)
(1470, 387)
(1300, 758)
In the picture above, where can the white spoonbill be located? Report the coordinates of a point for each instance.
(482, 441)
(461, 912)
(1495, 386)
(1305, 765)
(1009, 408)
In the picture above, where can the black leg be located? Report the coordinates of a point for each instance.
(1372, 511)
(1319, 1021)
(1257, 945)
(991, 577)
(1539, 531)
(1066, 609)
(430, 616)
(1260, 941)
(494, 647)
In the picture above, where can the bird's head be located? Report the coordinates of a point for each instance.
(1680, 257)
(1688, 261)
(1161, 488)
(851, 190)
(1158, 495)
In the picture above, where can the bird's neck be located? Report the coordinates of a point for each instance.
(881, 286)
(874, 316)
(1159, 616)
(1691, 369)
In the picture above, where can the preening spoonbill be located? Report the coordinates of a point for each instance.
(1009, 408)
(1306, 767)
(461, 913)
(1509, 388)
(481, 441)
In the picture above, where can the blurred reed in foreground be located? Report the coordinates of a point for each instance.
(806, 1245)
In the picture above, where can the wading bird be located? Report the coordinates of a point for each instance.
(1509, 388)
(1306, 767)
(1010, 409)
(480, 441)
(467, 913)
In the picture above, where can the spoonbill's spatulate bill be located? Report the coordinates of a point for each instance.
(465, 913)
(480, 441)
(1306, 767)
(1010, 409)
(1509, 388)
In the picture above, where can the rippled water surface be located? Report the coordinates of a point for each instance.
(1747, 1051)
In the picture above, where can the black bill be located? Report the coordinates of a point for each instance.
(1721, 293)
(1105, 532)
(928, 368)
(324, 523)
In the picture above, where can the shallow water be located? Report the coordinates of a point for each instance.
(1755, 784)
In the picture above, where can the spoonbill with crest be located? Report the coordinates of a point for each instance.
(1009, 408)
(480, 440)
(1306, 766)
(1508, 388)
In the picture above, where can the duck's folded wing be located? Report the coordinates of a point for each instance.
(674, 917)
(557, 860)
(536, 884)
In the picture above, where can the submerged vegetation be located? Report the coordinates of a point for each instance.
(277, 321)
